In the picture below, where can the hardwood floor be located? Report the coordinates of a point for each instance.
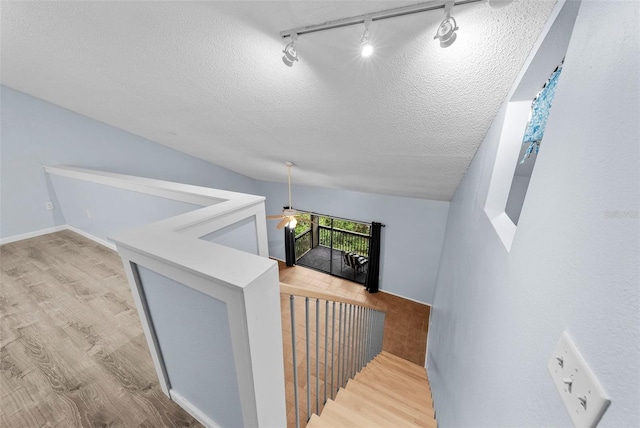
(72, 350)
(406, 322)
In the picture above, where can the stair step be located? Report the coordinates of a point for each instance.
(414, 413)
(396, 377)
(363, 405)
(394, 384)
(402, 364)
(400, 372)
(401, 394)
(332, 419)
(317, 422)
(339, 412)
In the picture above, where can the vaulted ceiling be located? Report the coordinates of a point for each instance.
(207, 78)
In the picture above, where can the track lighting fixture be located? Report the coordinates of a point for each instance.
(366, 48)
(447, 29)
(446, 32)
(290, 54)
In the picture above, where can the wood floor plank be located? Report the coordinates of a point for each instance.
(72, 350)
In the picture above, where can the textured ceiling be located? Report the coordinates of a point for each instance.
(206, 78)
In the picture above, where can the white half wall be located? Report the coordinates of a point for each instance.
(574, 262)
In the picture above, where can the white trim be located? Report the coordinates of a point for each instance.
(94, 238)
(404, 297)
(197, 195)
(193, 410)
(33, 234)
(55, 229)
(426, 350)
(147, 324)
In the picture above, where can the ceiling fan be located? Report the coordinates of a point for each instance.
(288, 216)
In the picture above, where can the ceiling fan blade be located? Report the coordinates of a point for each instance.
(283, 223)
(274, 217)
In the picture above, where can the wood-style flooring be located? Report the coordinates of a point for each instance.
(72, 350)
(406, 322)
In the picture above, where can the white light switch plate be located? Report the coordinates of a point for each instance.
(581, 392)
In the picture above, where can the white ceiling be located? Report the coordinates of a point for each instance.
(206, 78)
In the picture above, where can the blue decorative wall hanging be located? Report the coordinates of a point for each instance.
(539, 114)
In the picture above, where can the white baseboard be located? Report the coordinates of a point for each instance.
(33, 234)
(94, 238)
(192, 410)
(49, 230)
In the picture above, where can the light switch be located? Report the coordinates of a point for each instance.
(48, 205)
(581, 392)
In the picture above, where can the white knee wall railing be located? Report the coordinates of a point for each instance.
(238, 289)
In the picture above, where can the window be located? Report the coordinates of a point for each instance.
(533, 134)
(516, 154)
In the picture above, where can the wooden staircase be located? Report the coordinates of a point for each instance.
(388, 392)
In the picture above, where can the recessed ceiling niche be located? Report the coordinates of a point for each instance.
(505, 203)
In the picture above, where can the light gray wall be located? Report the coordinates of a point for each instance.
(411, 240)
(242, 236)
(195, 340)
(574, 263)
(35, 133)
(112, 210)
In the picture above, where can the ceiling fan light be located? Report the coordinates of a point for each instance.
(292, 223)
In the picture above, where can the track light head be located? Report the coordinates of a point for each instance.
(447, 31)
(290, 54)
(366, 47)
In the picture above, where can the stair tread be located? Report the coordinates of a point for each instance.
(353, 419)
(417, 400)
(399, 362)
(390, 380)
(387, 415)
(408, 365)
(333, 419)
(387, 400)
(317, 422)
(410, 377)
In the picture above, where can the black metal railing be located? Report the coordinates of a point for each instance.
(303, 243)
(345, 240)
(353, 336)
